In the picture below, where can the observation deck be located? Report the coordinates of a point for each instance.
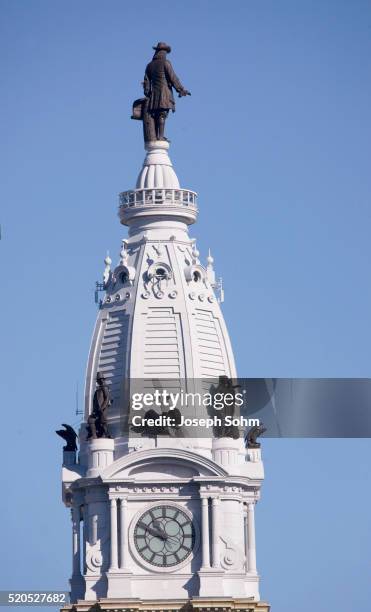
(168, 202)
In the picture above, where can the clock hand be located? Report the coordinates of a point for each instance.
(157, 525)
(153, 531)
(166, 536)
(157, 533)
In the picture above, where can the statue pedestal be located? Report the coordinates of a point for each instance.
(69, 457)
(254, 454)
(227, 451)
(100, 454)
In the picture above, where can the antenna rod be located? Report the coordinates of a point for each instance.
(77, 398)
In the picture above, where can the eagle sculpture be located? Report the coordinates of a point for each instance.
(69, 435)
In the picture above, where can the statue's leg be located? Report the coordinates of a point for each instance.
(104, 427)
(149, 130)
(161, 119)
(93, 428)
(156, 124)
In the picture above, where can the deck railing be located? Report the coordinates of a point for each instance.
(158, 197)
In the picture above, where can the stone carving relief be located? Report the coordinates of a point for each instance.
(158, 279)
(97, 546)
(231, 489)
(158, 489)
(231, 556)
(94, 557)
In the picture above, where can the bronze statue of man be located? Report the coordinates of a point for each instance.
(158, 84)
(97, 420)
(226, 388)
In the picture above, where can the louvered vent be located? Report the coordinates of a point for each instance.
(163, 351)
(113, 352)
(209, 348)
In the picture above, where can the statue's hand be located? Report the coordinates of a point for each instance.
(184, 92)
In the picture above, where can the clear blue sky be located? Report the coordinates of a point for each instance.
(276, 139)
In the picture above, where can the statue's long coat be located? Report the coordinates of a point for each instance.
(101, 400)
(159, 79)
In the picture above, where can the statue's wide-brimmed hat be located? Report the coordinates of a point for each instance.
(162, 46)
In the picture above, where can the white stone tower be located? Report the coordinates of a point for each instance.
(165, 522)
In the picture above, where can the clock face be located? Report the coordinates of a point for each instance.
(164, 536)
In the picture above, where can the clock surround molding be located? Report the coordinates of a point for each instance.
(131, 539)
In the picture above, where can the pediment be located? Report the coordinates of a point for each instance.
(175, 469)
(161, 464)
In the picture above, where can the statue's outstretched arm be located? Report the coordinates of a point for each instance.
(173, 79)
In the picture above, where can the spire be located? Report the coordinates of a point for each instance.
(210, 270)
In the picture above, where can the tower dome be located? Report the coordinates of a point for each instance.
(160, 317)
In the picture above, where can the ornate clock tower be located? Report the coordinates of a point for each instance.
(162, 519)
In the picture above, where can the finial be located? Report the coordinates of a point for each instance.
(210, 259)
(124, 253)
(195, 253)
(210, 270)
(107, 269)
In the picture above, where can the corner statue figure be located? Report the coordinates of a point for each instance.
(97, 421)
(159, 80)
(226, 388)
(253, 434)
(69, 436)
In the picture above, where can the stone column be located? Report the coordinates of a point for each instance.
(124, 551)
(251, 557)
(205, 533)
(93, 535)
(75, 514)
(215, 531)
(114, 554)
(85, 533)
(245, 536)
